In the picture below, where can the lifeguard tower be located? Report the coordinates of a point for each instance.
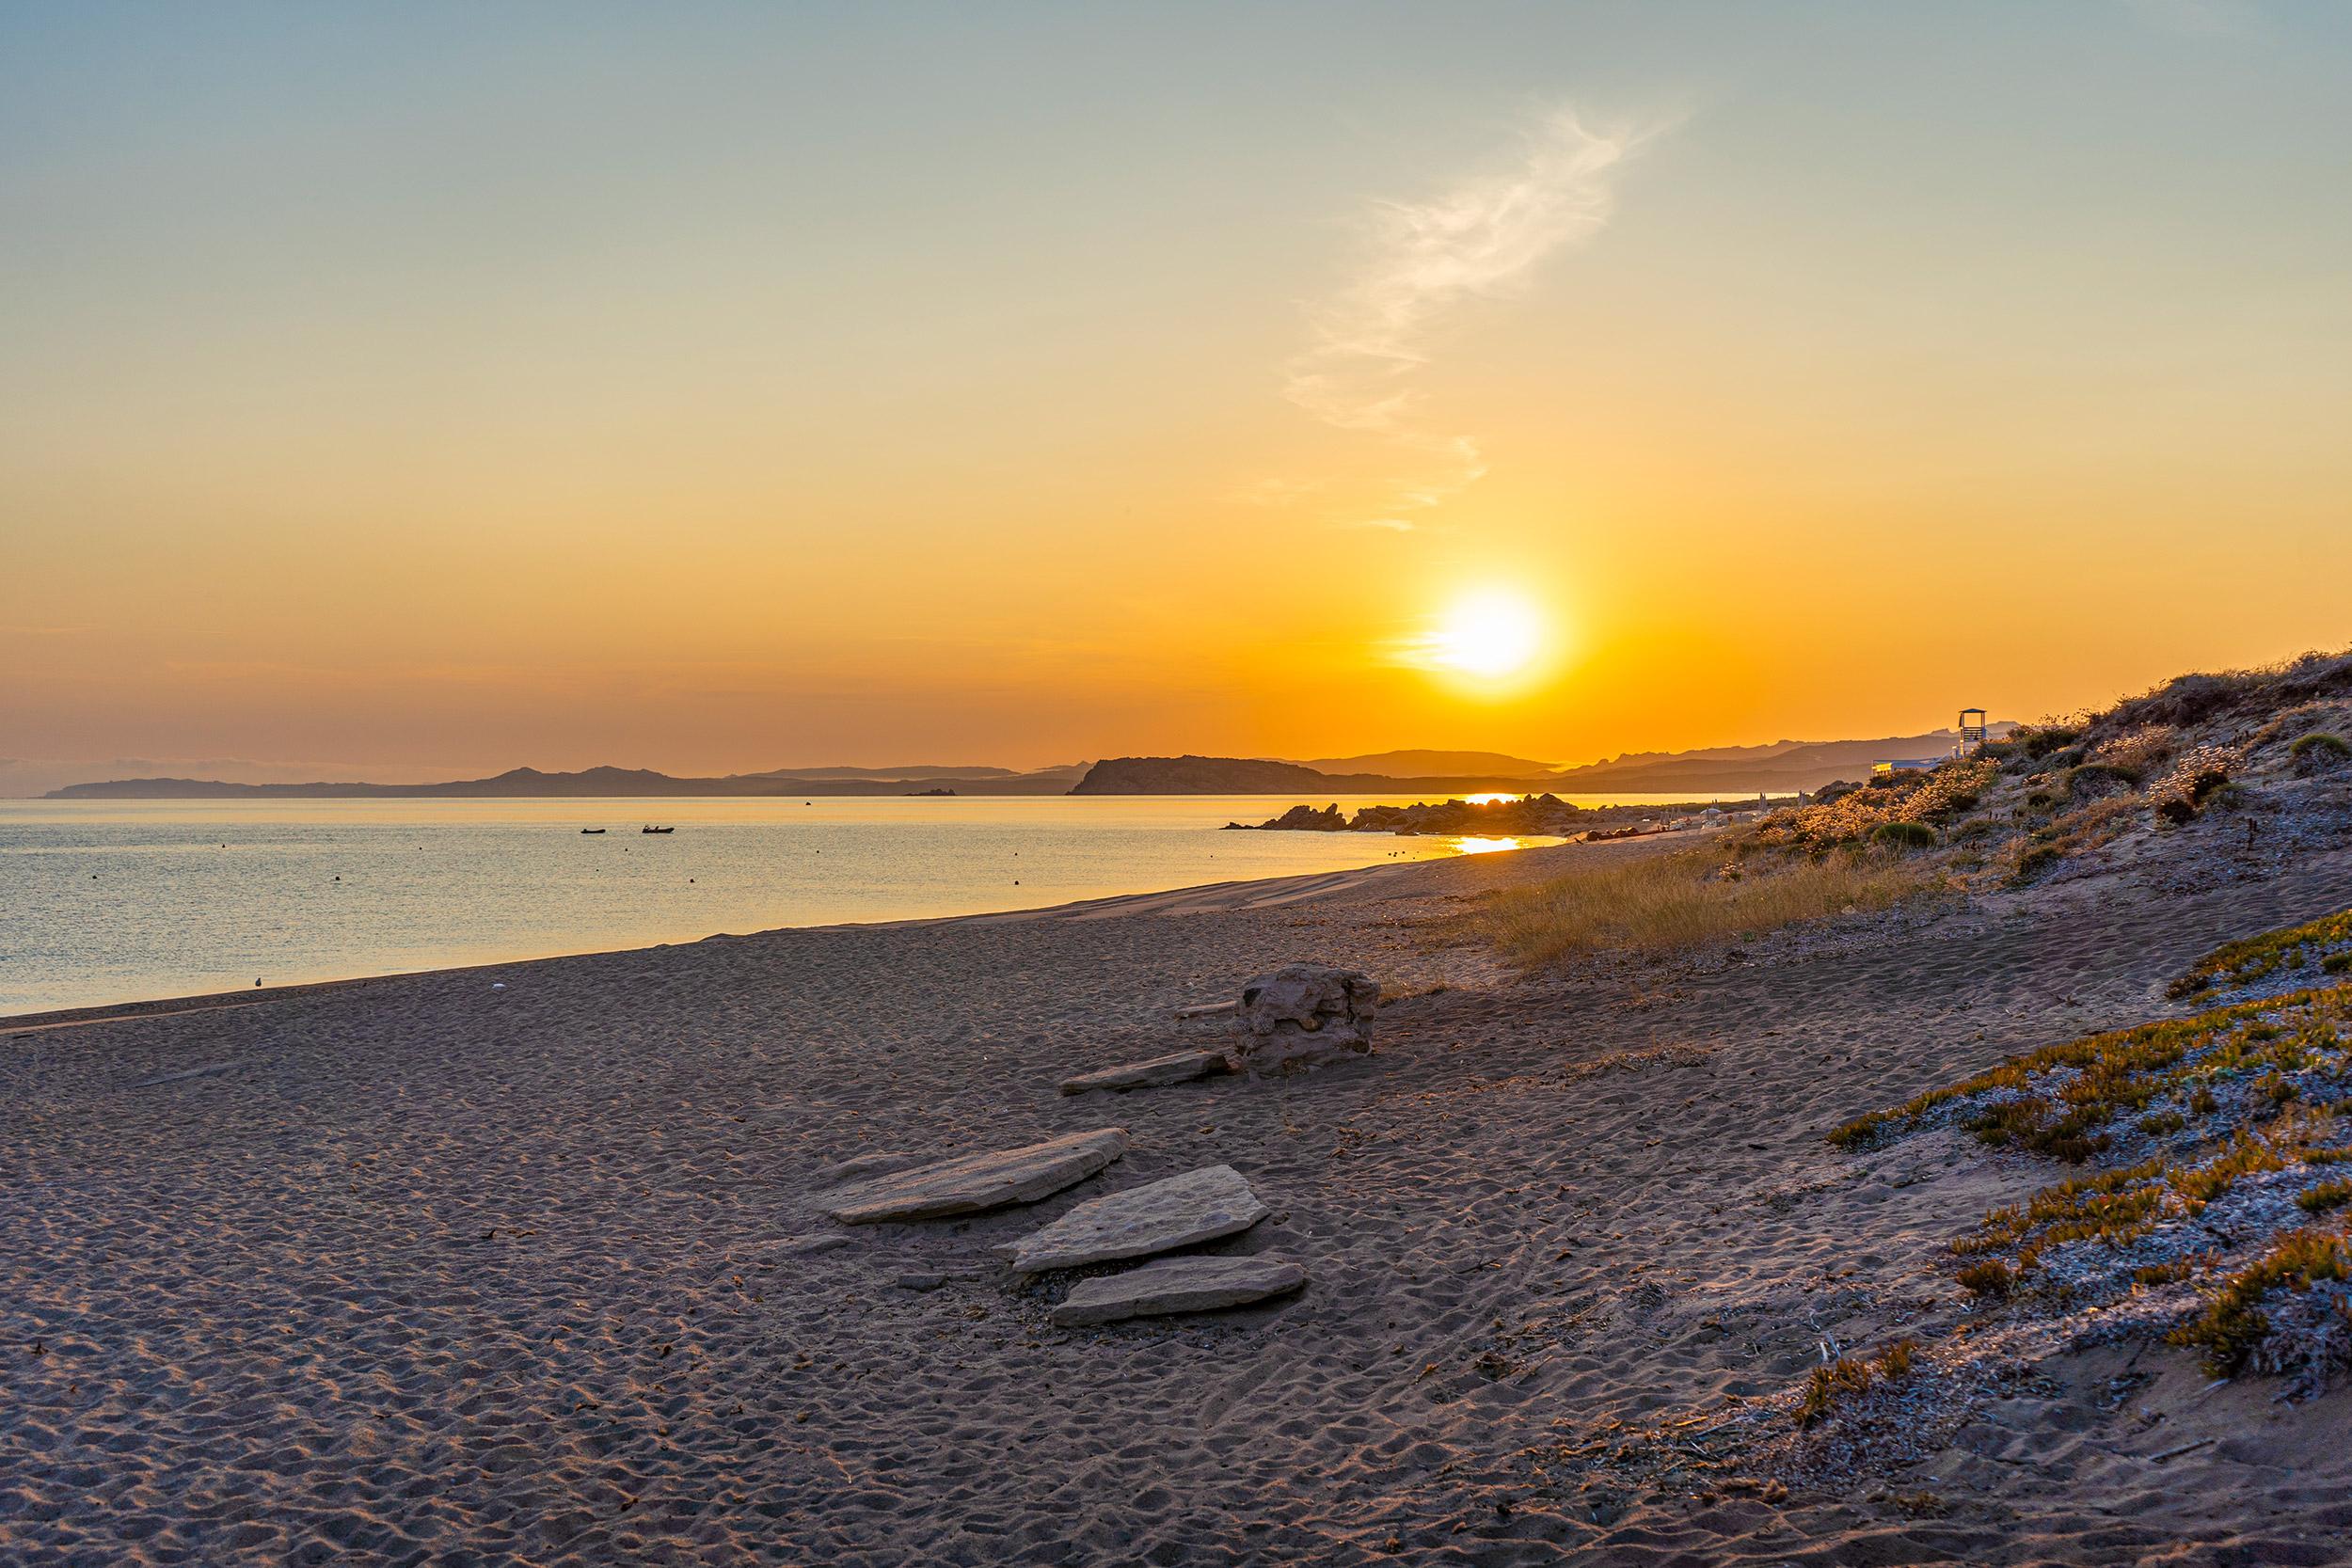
(1971, 728)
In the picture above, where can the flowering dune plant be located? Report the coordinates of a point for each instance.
(2137, 749)
(2183, 792)
(1851, 818)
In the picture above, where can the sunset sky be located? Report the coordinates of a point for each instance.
(427, 388)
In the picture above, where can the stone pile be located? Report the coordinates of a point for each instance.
(1298, 1017)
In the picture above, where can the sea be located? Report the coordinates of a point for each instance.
(114, 901)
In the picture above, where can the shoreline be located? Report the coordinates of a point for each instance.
(1192, 898)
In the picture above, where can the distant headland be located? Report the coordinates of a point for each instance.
(1779, 768)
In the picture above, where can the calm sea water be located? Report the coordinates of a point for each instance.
(115, 901)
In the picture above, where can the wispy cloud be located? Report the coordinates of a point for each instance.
(1484, 238)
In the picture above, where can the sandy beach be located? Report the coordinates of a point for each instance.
(509, 1266)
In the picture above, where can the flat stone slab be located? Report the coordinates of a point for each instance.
(1158, 1216)
(1177, 1285)
(865, 1165)
(1180, 1068)
(971, 1183)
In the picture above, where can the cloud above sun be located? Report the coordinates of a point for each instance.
(1485, 237)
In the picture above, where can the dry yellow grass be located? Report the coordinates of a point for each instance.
(1687, 899)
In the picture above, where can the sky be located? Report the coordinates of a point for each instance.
(435, 389)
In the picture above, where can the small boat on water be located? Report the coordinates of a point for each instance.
(591, 830)
(652, 829)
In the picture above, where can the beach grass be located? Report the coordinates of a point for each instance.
(1688, 899)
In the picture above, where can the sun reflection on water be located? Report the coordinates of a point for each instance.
(1485, 846)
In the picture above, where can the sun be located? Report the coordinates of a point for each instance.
(1489, 634)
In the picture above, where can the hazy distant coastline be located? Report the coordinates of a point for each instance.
(1781, 767)
(596, 783)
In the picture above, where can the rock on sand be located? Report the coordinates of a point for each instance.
(1198, 1206)
(1302, 1016)
(1177, 1285)
(973, 1182)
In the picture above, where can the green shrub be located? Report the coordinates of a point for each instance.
(1991, 1279)
(2233, 1325)
(2040, 741)
(2039, 859)
(1851, 1375)
(2319, 751)
(2095, 779)
(1905, 835)
(2327, 1195)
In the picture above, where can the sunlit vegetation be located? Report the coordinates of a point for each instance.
(2200, 1143)
(1852, 818)
(1850, 1375)
(2120, 1208)
(2237, 1094)
(2233, 1327)
(1992, 1277)
(2059, 1100)
(2022, 807)
(2117, 1207)
(2163, 758)
(2328, 1195)
(1687, 899)
(2135, 752)
(2253, 959)
(2183, 792)
(2188, 700)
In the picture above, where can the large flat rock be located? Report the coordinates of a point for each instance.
(1158, 1216)
(1176, 1068)
(1177, 1285)
(866, 1166)
(973, 1182)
